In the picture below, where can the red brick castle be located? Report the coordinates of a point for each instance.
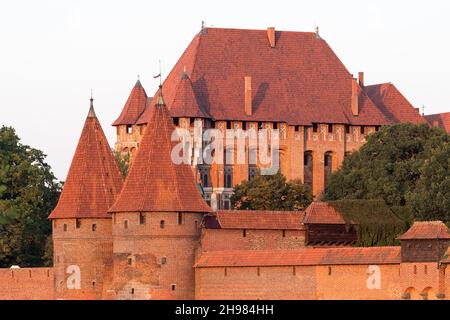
(153, 236)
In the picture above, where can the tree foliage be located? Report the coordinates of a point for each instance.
(28, 193)
(123, 162)
(271, 192)
(403, 164)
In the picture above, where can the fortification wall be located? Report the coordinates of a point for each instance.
(26, 284)
(234, 239)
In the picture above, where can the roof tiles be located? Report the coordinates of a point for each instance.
(426, 230)
(155, 183)
(300, 257)
(93, 180)
(134, 107)
(393, 104)
(299, 81)
(322, 213)
(441, 120)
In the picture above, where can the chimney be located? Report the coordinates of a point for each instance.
(355, 97)
(248, 95)
(271, 36)
(361, 79)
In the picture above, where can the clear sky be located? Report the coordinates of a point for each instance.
(53, 52)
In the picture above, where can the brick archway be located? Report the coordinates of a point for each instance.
(411, 294)
(428, 294)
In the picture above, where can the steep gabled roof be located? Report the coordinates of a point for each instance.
(134, 107)
(299, 81)
(300, 257)
(255, 220)
(322, 213)
(442, 120)
(426, 230)
(393, 104)
(155, 183)
(94, 179)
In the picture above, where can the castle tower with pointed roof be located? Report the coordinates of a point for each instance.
(82, 236)
(156, 219)
(128, 134)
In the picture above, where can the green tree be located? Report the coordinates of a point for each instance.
(397, 164)
(123, 162)
(271, 192)
(430, 199)
(28, 193)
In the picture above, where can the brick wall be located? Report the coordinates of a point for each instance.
(151, 262)
(90, 249)
(26, 284)
(233, 239)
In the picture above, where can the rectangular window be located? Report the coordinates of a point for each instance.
(78, 223)
(176, 121)
(173, 287)
(228, 125)
(94, 227)
(363, 130)
(180, 218)
(65, 227)
(275, 125)
(244, 125)
(162, 224)
(228, 177)
(347, 129)
(141, 218)
(297, 128)
(125, 224)
(244, 233)
(315, 127)
(330, 128)
(129, 129)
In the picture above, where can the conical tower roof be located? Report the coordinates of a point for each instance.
(134, 107)
(94, 180)
(155, 183)
(185, 101)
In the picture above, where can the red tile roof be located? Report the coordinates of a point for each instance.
(299, 81)
(154, 182)
(134, 107)
(393, 104)
(262, 220)
(441, 119)
(300, 257)
(94, 179)
(322, 213)
(426, 230)
(185, 101)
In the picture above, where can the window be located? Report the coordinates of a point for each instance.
(275, 125)
(258, 271)
(330, 128)
(129, 129)
(328, 166)
(162, 224)
(347, 129)
(130, 261)
(176, 121)
(65, 227)
(213, 124)
(132, 291)
(164, 260)
(191, 121)
(260, 125)
(125, 224)
(93, 284)
(244, 125)
(315, 127)
(415, 270)
(329, 271)
(225, 271)
(180, 218)
(94, 227)
(308, 169)
(297, 128)
(141, 218)
(244, 233)
(252, 172)
(284, 234)
(228, 177)
(363, 130)
(204, 171)
(174, 287)
(426, 270)
(228, 125)
(78, 223)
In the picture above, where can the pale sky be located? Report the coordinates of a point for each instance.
(53, 52)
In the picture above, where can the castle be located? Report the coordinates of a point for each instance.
(154, 236)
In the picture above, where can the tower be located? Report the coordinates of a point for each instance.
(82, 237)
(156, 219)
(128, 133)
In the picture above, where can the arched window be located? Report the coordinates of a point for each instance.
(308, 169)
